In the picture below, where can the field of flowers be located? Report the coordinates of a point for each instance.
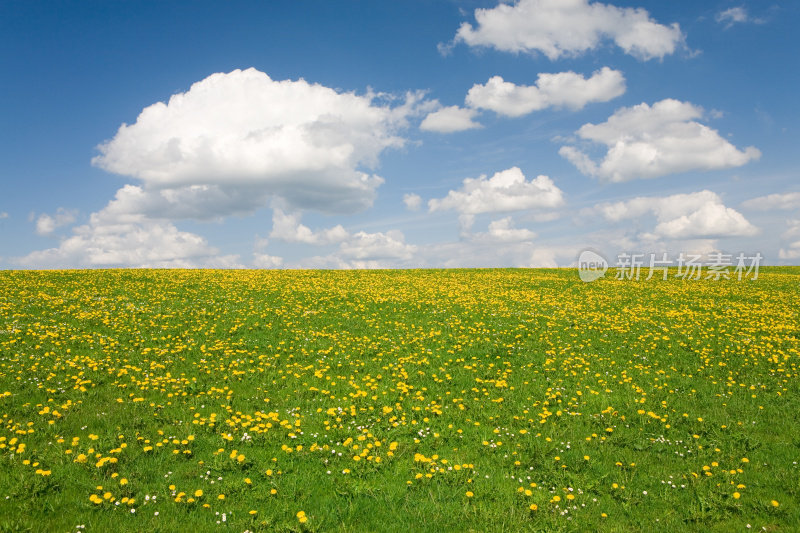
(432, 400)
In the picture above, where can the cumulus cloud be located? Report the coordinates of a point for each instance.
(792, 250)
(681, 216)
(505, 191)
(789, 200)
(559, 28)
(487, 253)
(244, 132)
(231, 144)
(144, 244)
(450, 119)
(200, 202)
(47, 224)
(413, 201)
(503, 230)
(368, 250)
(355, 250)
(563, 89)
(365, 246)
(651, 141)
(117, 236)
(267, 261)
(287, 227)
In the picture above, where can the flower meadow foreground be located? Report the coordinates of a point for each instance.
(430, 400)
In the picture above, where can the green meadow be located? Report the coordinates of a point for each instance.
(407, 400)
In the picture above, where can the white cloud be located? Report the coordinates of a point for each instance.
(47, 224)
(789, 200)
(143, 244)
(648, 142)
(503, 230)
(505, 191)
(465, 222)
(3, 215)
(450, 119)
(487, 253)
(735, 15)
(792, 250)
(117, 236)
(681, 216)
(201, 202)
(287, 227)
(563, 89)
(794, 229)
(244, 137)
(413, 201)
(376, 246)
(559, 28)
(267, 261)
(368, 250)
(260, 243)
(356, 250)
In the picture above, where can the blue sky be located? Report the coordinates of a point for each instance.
(395, 134)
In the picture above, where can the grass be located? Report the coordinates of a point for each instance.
(431, 400)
